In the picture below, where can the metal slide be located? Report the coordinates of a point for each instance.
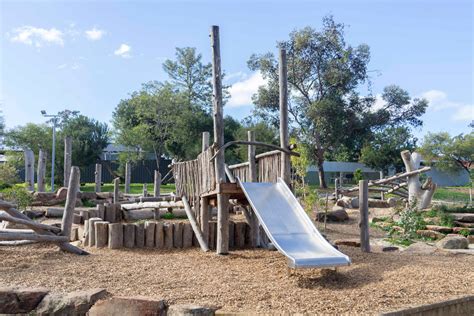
(289, 227)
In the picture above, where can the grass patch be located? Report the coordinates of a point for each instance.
(452, 194)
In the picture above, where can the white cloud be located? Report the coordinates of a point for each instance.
(62, 66)
(239, 75)
(73, 66)
(438, 100)
(94, 34)
(241, 92)
(37, 36)
(123, 51)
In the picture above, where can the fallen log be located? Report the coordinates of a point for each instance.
(29, 223)
(32, 236)
(197, 231)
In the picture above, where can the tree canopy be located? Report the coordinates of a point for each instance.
(326, 110)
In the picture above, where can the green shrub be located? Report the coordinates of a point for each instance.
(358, 175)
(8, 175)
(168, 216)
(411, 220)
(18, 195)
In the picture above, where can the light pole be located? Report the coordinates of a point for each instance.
(54, 120)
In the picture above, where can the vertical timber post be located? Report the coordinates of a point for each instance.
(98, 177)
(41, 176)
(67, 159)
(336, 188)
(284, 137)
(157, 184)
(382, 197)
(73, 188)
(29, 169)
(116, 190)
(204, 213)
(364, 215)
(222, 245)
(128, 176)
(254, 227)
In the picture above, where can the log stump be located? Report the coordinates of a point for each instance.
(187, 235)
(168, 228)
(239, 234)
(231, 234)
(150, 234)
(101, 234)
(115, 235)
(159, 236)
(92, 230)
(178, 235)
(140, 235)
(129, 235)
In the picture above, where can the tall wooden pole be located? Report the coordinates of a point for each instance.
(29, 169)
(67, 159)
(116, 190)
(157, 184)
(128, 176)
(73, 188)
(253, 220)
(284, 136)
(382, 197)
(222, 246)
(364, 215)
(204, 213)
(41, 177)
(98, 177)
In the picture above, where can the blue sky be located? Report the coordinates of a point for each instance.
(86, 55)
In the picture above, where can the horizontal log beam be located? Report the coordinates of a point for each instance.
(29, 236)
(246, 142)
(29, 223)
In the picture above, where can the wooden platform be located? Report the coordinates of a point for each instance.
(232, 189)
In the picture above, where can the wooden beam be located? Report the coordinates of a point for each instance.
(128, 176)
(116, 190)
(222, 246)
(197, 231)
(285, 172)
(98, 177)
(41, 176)
(29, 236)
(29, 223)
(73, 188)
(229, 174)
(245, 142)
(251, 157)
(204, 203)
(364, 215)
(157, 184)
(29, 169)
(67, 159)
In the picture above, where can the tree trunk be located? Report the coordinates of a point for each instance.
(322, 180)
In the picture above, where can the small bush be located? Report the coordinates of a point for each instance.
(18, 195)
(358, 175)
(411, 220)
(8, 175)
(168, 216)
(465, 232)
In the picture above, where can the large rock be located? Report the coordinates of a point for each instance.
(420, 248)
(345, 202)
(189, 310)
(453, 242)
(338, 214)
(463, 217)
(393, 201)
(74, 303)
(430, 234)
(441, 229)
(130, 306)
(378, 203)
(355, 202)
(20, 301)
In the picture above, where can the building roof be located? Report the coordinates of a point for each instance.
(342, 166)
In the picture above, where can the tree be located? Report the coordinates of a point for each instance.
(383, 150)
(32, 136)
(325, 109)
(264, 132)
(449, 153)
(2, 124)
(89, 138)
(190, 76)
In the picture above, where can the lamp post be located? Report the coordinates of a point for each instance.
(54, 120)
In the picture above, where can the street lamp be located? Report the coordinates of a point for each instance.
(54, 120)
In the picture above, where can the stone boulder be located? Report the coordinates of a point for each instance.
(453, 242)
(441, 229)
(61, 193)
(392, 201)
(337, 214)
(130, 306)
(344, 202)
(179, 310)
(430, 234)
(74, 303)
(419, 248)
(378, 203)
(355, 202)
(20, 301)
